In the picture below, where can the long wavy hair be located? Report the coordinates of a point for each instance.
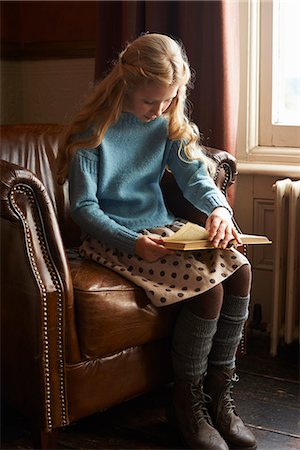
(150, 58)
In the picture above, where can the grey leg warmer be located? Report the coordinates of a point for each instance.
(233, 315)
(192, 341)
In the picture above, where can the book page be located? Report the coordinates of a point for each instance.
(193, 236)
(254, 239)
(189, 232)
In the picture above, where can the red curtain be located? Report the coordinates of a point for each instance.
(209, 32)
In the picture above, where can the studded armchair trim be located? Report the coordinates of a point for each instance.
(229, 176)
(52, 362)
(24, 201)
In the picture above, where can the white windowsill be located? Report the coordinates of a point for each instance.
(280, 161)
(271, 169)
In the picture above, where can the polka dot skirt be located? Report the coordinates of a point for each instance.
(173, 278)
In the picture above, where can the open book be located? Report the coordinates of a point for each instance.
(194, 237)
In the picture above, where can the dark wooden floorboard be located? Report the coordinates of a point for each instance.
(273, 441)
(268, 403)
(267, 398)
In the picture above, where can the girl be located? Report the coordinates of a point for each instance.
(133, 125)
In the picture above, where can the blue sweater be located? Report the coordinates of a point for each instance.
(115, 189)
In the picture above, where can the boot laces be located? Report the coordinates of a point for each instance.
(228, 394)
(199, 406)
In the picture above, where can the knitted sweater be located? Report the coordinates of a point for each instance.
(115, 188)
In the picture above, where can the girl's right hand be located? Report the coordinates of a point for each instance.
(150, 248)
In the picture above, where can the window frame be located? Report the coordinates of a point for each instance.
(251, 156)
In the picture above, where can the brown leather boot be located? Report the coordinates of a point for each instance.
(192, 418)
(218, 385)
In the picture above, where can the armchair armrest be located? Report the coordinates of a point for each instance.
(226, 169)
(37, 315)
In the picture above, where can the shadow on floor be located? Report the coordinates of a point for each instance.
(267, 398)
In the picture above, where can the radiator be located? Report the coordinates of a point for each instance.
(285, 314)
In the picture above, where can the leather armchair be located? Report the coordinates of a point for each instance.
(76, 337)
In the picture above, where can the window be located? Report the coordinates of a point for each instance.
(269, 122)
(286, 65)
(279, 123)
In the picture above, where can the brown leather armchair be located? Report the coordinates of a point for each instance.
(76, 337)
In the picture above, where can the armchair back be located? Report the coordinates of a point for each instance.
(34, 147)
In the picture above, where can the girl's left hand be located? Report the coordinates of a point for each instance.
(220, 227)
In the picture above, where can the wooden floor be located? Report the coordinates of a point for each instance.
(267, 398)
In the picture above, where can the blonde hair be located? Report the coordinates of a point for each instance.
(149, 58)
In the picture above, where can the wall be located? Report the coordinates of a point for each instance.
(254, 211)
(39, 29)
(45, 90)
(48, 59)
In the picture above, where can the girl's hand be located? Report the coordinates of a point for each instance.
(151, 248)
(221, 229)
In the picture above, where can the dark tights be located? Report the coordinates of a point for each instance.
(208, 305)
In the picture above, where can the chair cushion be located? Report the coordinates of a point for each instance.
(112, 313)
